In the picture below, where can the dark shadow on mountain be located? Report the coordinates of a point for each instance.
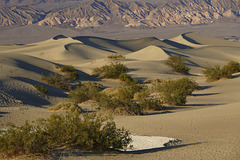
(190, 39)
(177, 45)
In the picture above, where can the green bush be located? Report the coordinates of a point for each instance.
(87, 132)
(119, 106)
(94, 84)
(176, 91)
(154, 80)
(41, 89)
(114, 70)
(116, 57)
(230, 68)
(126, 92)
(177, 64)
(70, 71)
(127, 79)
(87, 91)
(57, 80)
(68, 106)
(151, 104)
(215, 73)
(123, 103)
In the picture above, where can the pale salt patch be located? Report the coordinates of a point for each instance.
(147, 142)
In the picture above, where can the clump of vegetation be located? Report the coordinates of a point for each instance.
(114, 70)
(94, 84)
(127, 79)
(70, 71)
(175, 92)
(129, 99)
(153, 80)
(215, 73)
(126, 92)
(87, 132)
(113, 92)
(68, 106)
(230, 68)
(87, 91)
(177, 64)
(41, 89)
(116, 57)
(151, 104)
(57, 80)
(118, 106)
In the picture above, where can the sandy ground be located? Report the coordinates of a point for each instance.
(208, 124)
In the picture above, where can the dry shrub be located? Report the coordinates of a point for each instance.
(86, 132)
(177, 64)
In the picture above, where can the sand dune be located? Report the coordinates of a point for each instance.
(180, 39)
(150, 53)
(208, 124)
(201, 39)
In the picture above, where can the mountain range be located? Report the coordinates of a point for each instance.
(96, 13)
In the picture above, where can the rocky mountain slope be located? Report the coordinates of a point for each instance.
(20, 15)
(129, 14)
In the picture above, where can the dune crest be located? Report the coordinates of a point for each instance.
(150, 53)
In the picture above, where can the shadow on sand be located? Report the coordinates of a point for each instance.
(62, 153)
(2, 113)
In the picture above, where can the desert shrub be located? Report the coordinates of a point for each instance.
(41, 89)
(57, 80)
(153, 80)
(122, 102)
(215, 73)
(70, 71)
(119, 106)
(127, 79)
(176, 91)
(94, 84)
(177, 64)
(113, 92)
(151, 104)
(87, 91)
(88, 132)
(114, 70)
(68, 106)
(126, 92)
(116, 57)
(25, 139)
(230, 68)
(144, 93)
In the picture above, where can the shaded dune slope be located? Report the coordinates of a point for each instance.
(18, 75)
(144, 56)
(201, 39)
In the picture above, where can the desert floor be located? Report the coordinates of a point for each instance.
(208, 124)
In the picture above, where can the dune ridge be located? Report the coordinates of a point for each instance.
(208, 124)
